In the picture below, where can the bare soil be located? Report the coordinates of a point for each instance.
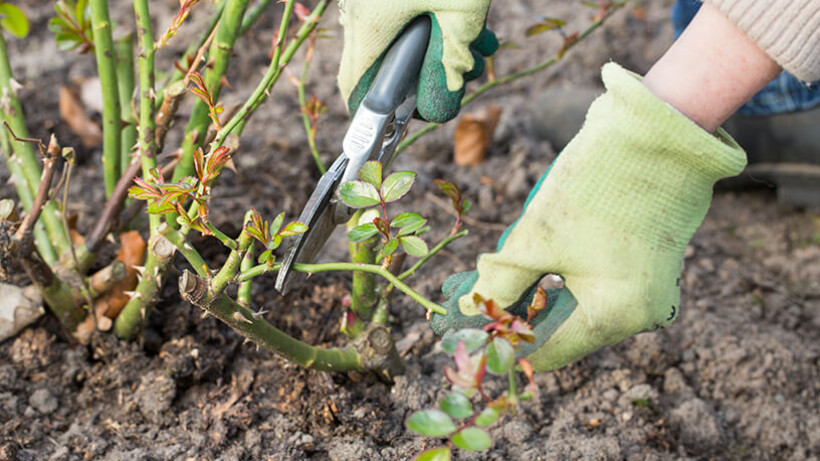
(736, 377)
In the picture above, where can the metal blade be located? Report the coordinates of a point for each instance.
(318, 215)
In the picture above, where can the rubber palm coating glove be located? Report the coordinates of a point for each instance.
(613, 216)
(455, 54)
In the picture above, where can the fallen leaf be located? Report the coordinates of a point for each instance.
(474, 135)
(73, 113)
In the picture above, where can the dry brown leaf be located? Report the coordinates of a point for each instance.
(73, 113)
(474, 135)
(132, 253)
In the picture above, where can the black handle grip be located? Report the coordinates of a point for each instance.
(400, 68)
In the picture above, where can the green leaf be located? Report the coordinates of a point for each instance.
(294, 228)
(487, 417)
(435, 454)
(371, 172)
(457, 405)
(431, 423)
(57, 24)
(408, 223)
(359, 194)
(546, 25)
(363, 232)
(414, 246)
(390, 247)
(473, 339)
(397, 185)
(14, 20)
(472, 439)
(79, 12)
(500, 356)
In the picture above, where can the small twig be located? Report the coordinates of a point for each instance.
(52, 154)
(200, 53)
(112, 207)
(310, 125)
(371, 268)
(433, 251)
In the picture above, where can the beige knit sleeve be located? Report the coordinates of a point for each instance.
(787, 30)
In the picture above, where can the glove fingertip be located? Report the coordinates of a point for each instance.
(486, 43)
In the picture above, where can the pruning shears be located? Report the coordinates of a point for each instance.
(374, 133)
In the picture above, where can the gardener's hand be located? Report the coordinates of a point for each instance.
(458, 44)
(613, 217)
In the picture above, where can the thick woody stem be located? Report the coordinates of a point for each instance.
(125, 85)
(51, 240)
(130, 320)
(251, 325)
(107, 69)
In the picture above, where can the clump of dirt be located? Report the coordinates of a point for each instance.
(736, 377)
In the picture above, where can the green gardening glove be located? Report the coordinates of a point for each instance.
(455, 54)
(613, 217)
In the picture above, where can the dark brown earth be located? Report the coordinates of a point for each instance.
(736, 377)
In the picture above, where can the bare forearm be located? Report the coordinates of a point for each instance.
(711, 70)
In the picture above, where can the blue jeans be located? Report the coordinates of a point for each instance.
(783, 94)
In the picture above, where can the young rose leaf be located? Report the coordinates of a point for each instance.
(371, 172)
(431, 423)
(471, 337)
(500, 356)
(390, 247)
(382, 226)
(526, 367)
(434, 454)
(13, 20)
(359, 194)
(363, 232)
(294, 228)
(397, 185)
(544, 26)
(301, 11)
(488, 416)
(472, 439)
(459, 379)
(199, 163)
(277, 223)
(408, 223)
(143, 190)
(161, 206)
(414, 246)
(457, 405)
(266, 257)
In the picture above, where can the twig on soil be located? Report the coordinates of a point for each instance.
(52, 154)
